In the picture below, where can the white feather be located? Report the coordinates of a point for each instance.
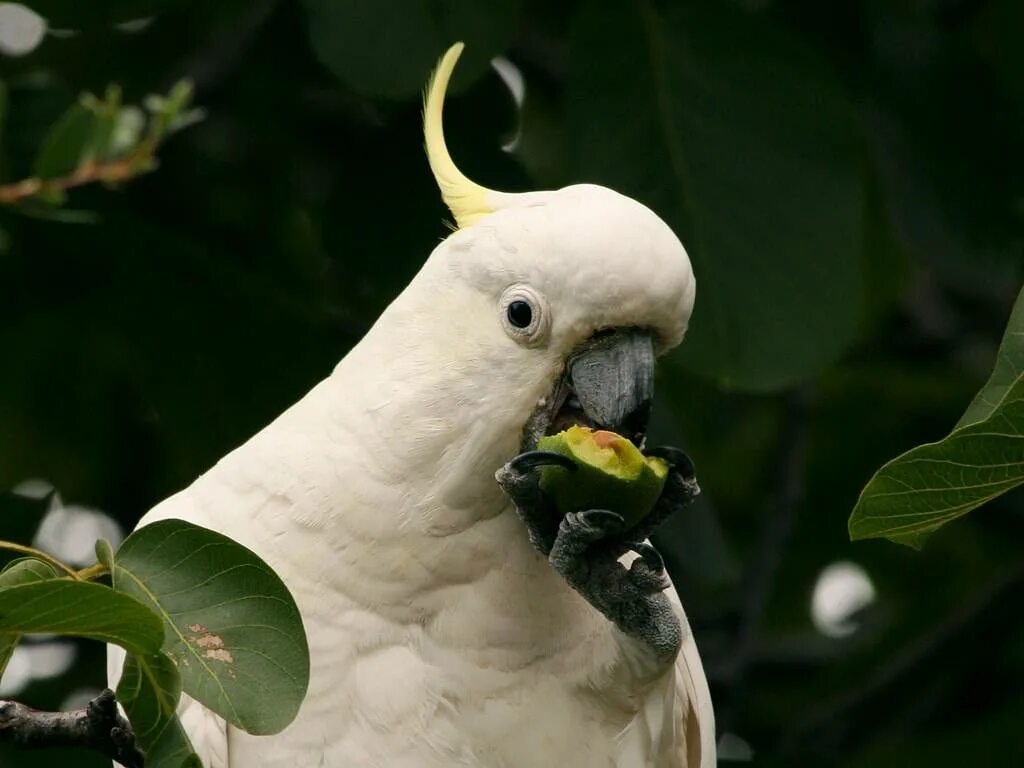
(438, 636)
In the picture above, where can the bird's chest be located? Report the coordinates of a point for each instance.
(473, 687)
(391, 708)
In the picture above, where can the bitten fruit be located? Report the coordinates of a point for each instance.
(611, 474)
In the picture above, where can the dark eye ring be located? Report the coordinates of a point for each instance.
(520, 313)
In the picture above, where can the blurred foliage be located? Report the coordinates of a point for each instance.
(98, 141)
(847, 178)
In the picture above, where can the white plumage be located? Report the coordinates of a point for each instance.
(438, 635)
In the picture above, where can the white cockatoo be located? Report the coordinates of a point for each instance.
(452, 619)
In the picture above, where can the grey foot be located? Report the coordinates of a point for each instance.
(586, 553)
(680, 490)
(520, 480)
(585, 547)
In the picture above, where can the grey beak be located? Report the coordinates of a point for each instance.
(613, 377)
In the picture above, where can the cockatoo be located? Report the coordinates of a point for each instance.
(453, 619)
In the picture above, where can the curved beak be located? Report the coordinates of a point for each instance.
(612, 376)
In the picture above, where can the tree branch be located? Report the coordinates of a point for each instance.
(122, 169)
(98, 727)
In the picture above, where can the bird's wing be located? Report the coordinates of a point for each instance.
(207, 731)
(699, 716)
(675, 724)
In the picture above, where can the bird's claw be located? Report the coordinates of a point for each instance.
(648, 572)
(598, 524)
(586, 553)
(680, 489)
(584, 547)
(531, 460)
(521, 483)
(579, 530)
(676, 458)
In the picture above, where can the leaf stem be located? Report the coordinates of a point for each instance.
(33, 552)
(94, 571)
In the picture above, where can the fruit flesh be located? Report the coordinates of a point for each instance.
(611, 474)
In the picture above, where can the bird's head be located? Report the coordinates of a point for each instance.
(567, 295)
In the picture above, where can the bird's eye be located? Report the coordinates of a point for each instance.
(524, 314)
(520, 314)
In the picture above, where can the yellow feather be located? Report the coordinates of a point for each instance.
(466, 199)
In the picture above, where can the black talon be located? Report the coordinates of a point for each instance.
(677, 458)
(603, 520)
(647, 579)
(525, 462)
(531, 503)
(650, 555)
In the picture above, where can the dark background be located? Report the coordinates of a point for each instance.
(846, 176)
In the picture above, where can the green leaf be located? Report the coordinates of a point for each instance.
(24, 570)
(378, 51)
(230, 623)
(149, 691)
(750, 151)
(1009, 365)
(922, 490)
(171, 113)
(185, 119)
(105, 118)
(67, 144)
(81, 609)
(127, 130)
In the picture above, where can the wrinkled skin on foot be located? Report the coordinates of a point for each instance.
(585, 547)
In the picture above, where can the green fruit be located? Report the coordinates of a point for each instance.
(611, 474)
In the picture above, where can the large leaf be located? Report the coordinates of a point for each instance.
(749, 150)
(379, 49)
(149, 691)
(925, 488)
(922, 490)
(81, 609)
(230, 623)
(25, 570)
(1009, 365)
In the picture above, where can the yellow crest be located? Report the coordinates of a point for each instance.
(467, 200)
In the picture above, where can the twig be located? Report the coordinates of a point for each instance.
(40, 555)
(94, 571)
(111, 172)
(98, 727)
